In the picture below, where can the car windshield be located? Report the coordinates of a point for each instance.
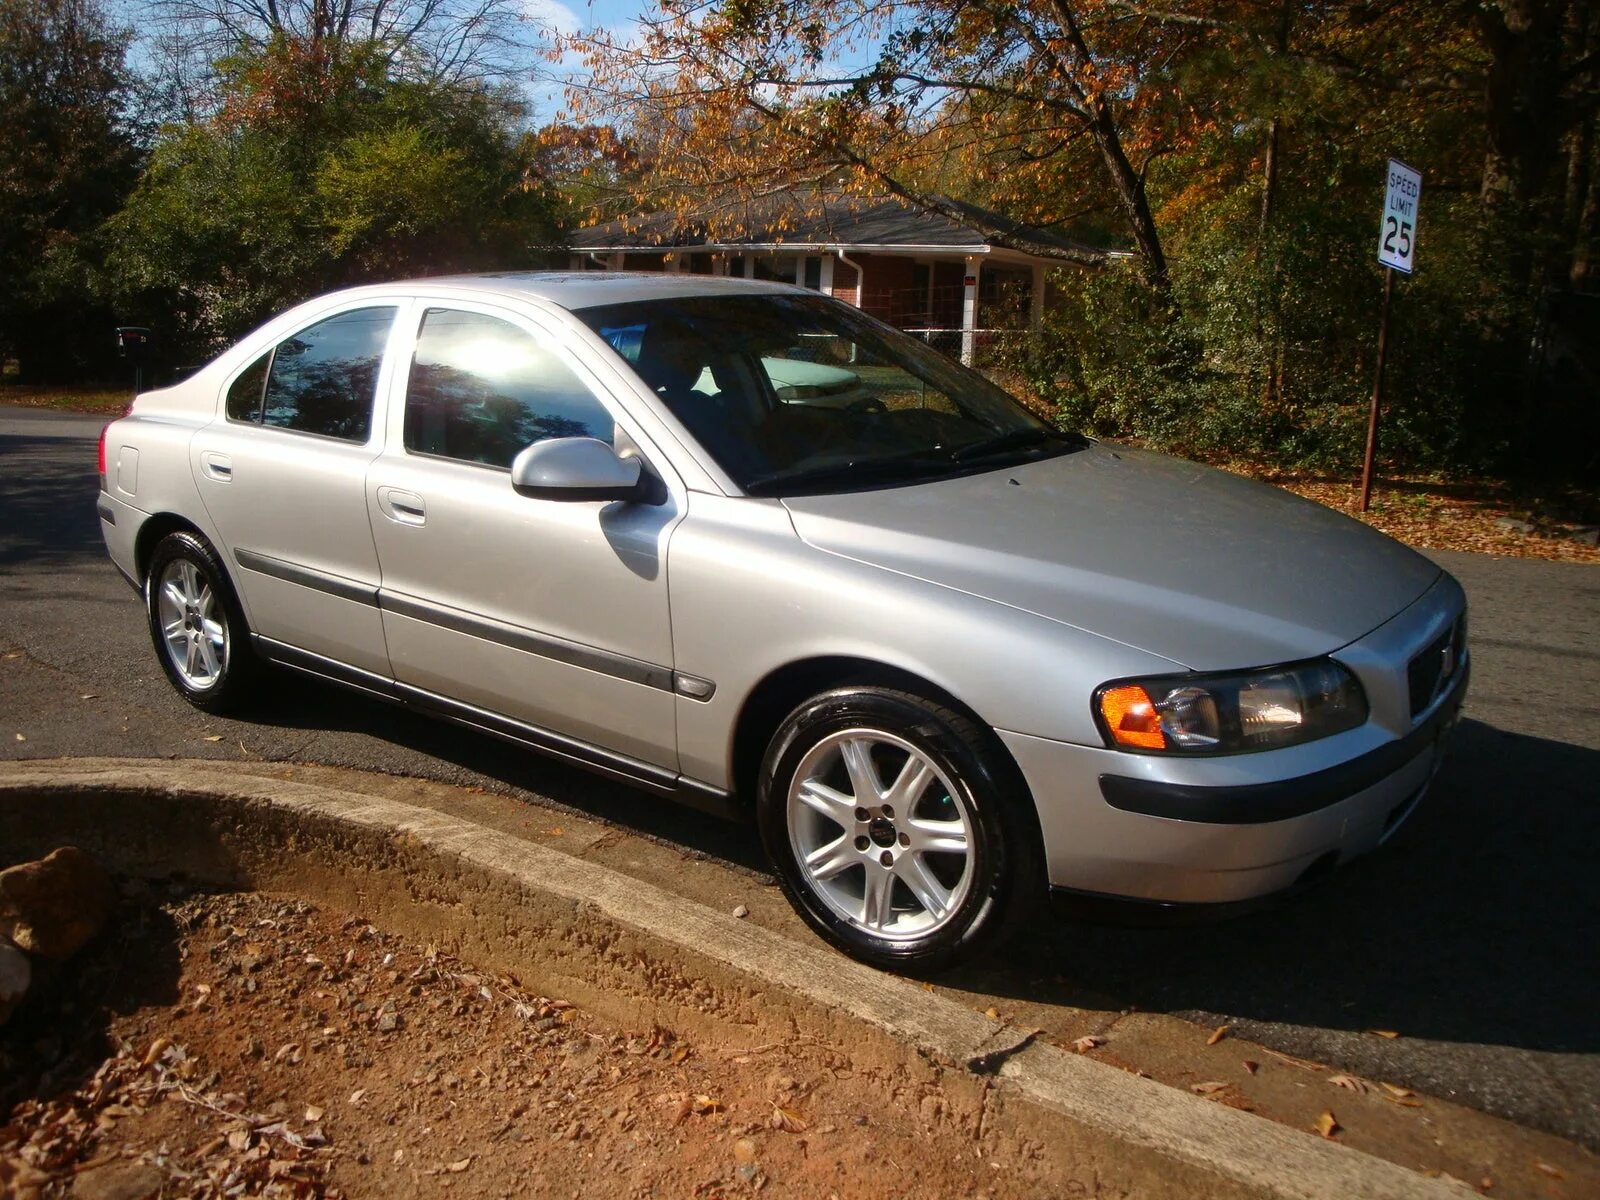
(799, 394)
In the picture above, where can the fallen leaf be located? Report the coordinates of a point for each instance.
(1395, 1090)
(992, 1013)
(1085, 1044)
(1205, 1089)
(787, 1120)
(1545, 1168)
(1217, 1034)
(90, 696)
(20, 738)
(357, 1096)
(239, 1139)
(313, 1114)
(1350, 1082)
(1383, 1033)
(215, 737)
(1251, 1067)
(1328, 1125)
(704, 1105)
(460, 1165)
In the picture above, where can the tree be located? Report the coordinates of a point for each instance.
(65, 164)
(322, 170)
(432, 41)
(743, 98)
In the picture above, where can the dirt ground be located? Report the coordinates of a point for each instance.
(1483, 516)
(240, 1044)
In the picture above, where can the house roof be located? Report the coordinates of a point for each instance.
(800, 222)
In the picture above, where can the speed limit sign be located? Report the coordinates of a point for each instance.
(1397, 236)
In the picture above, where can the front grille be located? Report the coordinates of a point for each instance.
(1426, 673)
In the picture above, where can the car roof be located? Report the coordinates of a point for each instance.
(589, 289)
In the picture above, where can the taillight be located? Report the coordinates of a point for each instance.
(100, 456)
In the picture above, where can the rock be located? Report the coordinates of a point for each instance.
(118, 1181)
(1512, 525)
(388, 1018)
(53, 906)
(1589, 535)
(741, 912)
(16, 973)
(20, 1180)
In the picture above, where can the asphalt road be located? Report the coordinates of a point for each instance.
(1475, 936)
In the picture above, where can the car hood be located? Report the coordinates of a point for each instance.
(1196, 565)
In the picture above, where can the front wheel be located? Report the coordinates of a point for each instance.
(196, 624)
(896, 828)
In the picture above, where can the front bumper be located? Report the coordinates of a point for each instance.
(1229, 829)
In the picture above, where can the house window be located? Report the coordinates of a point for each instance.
(813, 276)
(774, 269)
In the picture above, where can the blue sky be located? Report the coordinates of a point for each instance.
(616, 16)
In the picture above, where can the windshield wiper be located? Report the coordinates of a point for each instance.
(866, 472)
(1017, 439)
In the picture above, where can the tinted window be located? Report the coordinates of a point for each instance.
(481, 390)
(244, 397)
(323, 378)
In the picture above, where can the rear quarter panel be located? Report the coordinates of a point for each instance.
(158, 430)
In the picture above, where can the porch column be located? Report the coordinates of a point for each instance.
(969, 308)
(749, 265)
(800, 271)
(1036, 309)
(825, 282)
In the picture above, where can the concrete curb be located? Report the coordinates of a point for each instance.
(1223, 1151)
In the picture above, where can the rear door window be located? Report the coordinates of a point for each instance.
(481, 390)
(323, 379)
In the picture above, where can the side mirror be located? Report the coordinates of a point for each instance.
(576, 468)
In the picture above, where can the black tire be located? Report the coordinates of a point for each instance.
(974, 780)
(230, 686)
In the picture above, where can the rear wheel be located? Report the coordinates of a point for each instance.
(896, 829)
(196, 624)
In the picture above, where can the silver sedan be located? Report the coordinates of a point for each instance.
(948, 656)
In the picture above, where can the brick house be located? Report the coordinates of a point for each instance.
(923, 272)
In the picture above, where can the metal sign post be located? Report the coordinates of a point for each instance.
(1397, 244)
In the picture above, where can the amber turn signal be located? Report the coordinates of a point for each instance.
(1130, 716)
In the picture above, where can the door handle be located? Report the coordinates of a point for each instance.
(406, 508)
(216, 466)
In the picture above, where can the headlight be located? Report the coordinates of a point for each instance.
(1225, 714)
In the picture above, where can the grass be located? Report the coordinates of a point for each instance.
(67, 399)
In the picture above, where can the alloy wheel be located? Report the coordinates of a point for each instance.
(194, 627)
(880, 834)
